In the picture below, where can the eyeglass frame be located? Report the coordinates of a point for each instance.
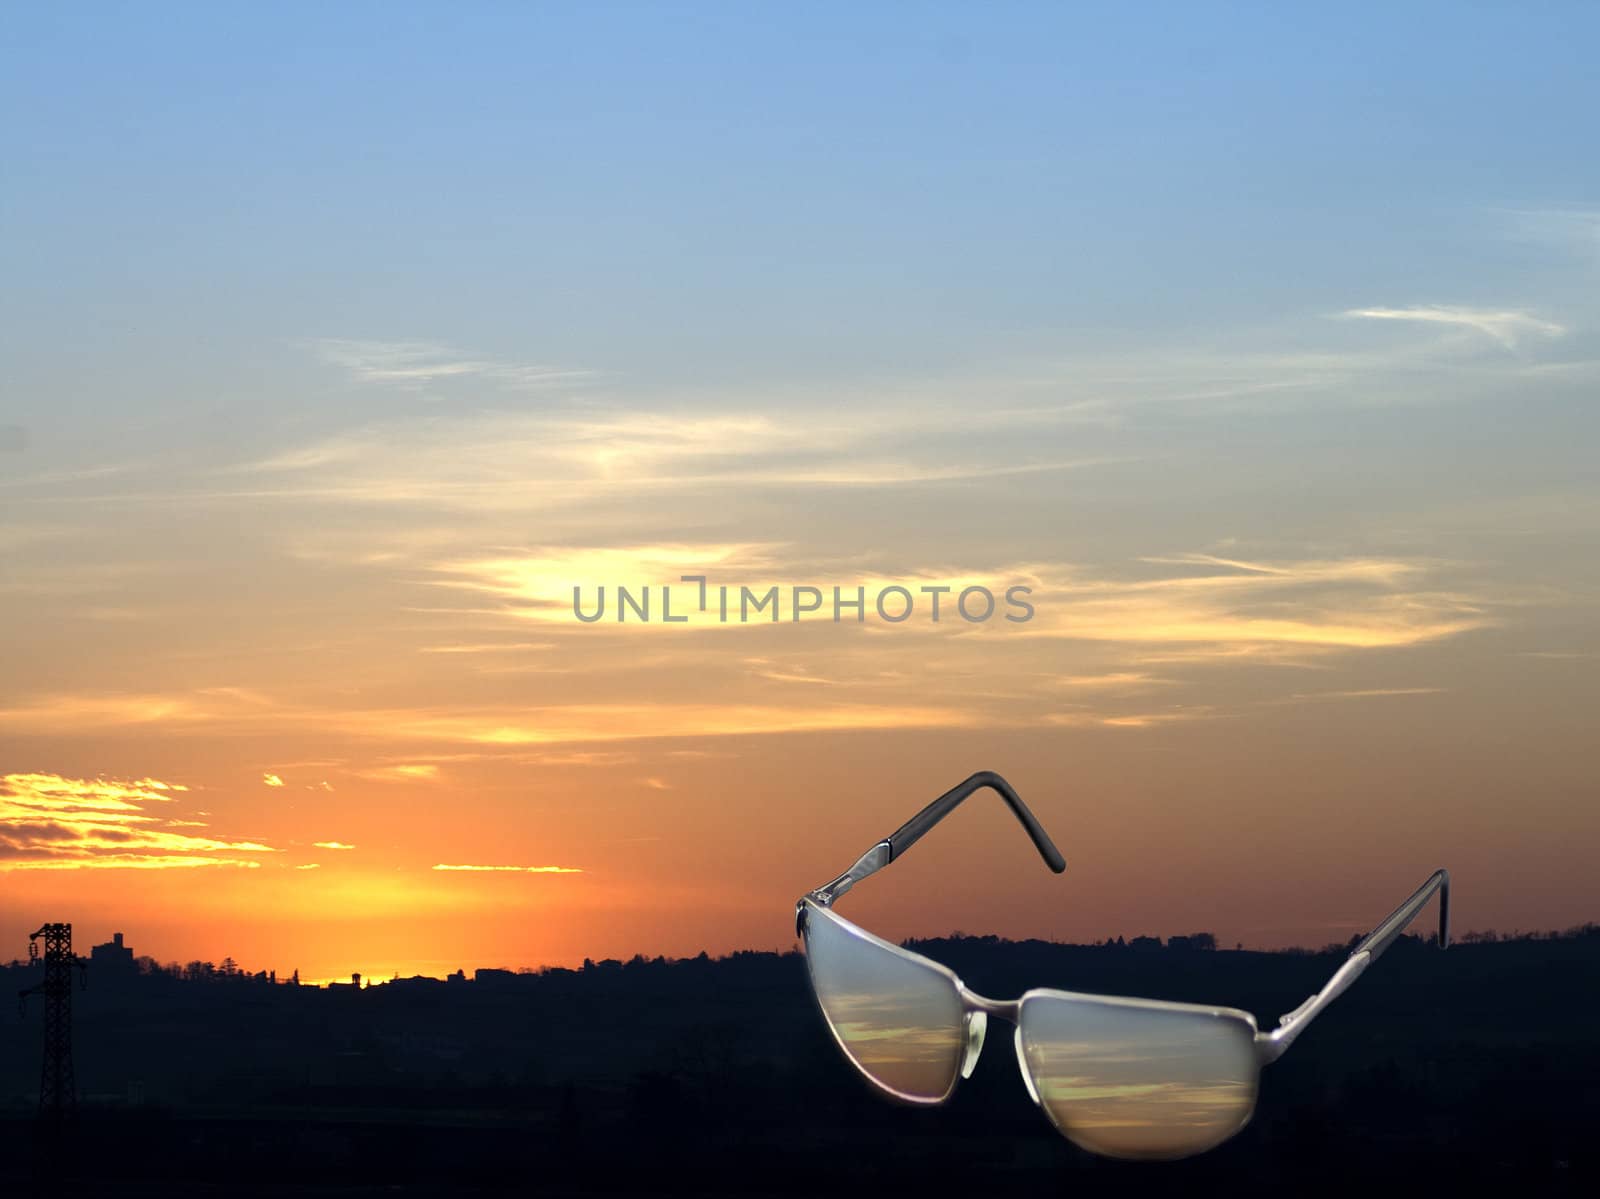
(1269, 1045)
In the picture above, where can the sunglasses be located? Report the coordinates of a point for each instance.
(1120, 1077)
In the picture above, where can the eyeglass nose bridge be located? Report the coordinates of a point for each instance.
(1005, 1009)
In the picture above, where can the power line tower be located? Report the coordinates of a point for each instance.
(58, 1091)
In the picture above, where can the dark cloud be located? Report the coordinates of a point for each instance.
(50, 820)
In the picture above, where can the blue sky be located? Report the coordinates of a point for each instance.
(710, 191)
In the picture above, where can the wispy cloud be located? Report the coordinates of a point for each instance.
(511, 461)
(404, 772)
(271, 780)
(51, 822)
(53, 713)
(581, 757)
(415, 363)
(1121, 631)
(490, 647)
(1367, 693)
(540, 581)
(512, 725)
(1119, 680)
(119, 861)
(1215, 606)
(797, 673)
(1506, 326)
(569, 723)
(1132, 720)
(332, 845)
(510, 869)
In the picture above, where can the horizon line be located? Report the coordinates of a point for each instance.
(1138, 943)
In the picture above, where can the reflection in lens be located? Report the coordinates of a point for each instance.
(899, 1019)
(1127, 1080)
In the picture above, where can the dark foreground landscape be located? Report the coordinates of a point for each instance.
(1439, 1073)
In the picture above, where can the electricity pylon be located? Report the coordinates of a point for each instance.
(58, 1091)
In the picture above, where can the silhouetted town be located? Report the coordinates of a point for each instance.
(1472, 1067)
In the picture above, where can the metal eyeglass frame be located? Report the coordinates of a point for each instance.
(1269, 1045)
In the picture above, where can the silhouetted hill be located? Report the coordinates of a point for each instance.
(1477, 1067)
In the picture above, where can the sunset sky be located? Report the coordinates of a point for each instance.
(339, 346)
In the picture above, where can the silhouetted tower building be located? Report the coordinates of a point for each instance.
(113, 960)
(58, 1091)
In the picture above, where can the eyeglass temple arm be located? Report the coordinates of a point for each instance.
(1367, 950)
(907, 835)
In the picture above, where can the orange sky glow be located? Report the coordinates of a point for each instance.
(291, 522)
(372, 772)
